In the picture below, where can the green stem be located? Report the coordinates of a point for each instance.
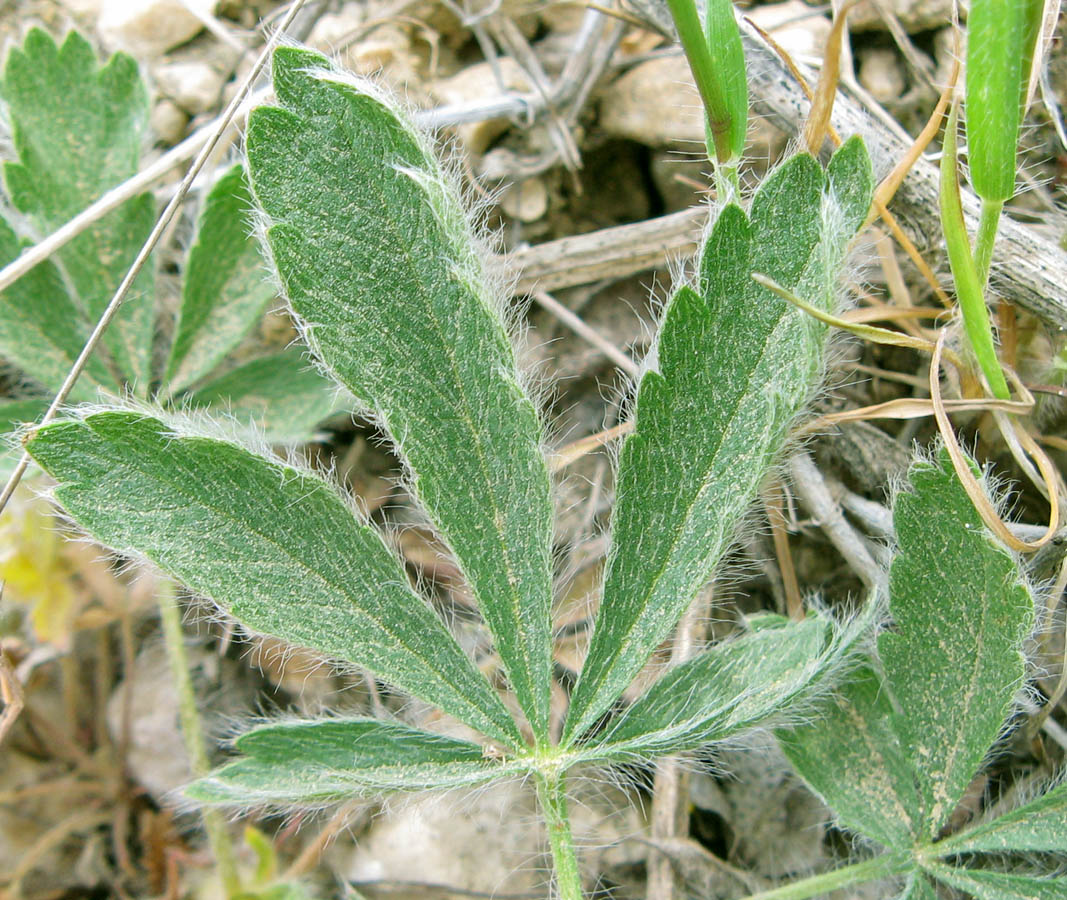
(694, 43)
(193, 733)
(553, 800)
(884, 866)
(969, 289)
(984, 240)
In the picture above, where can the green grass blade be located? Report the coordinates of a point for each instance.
(225, 286)
(728, 61)
(851, 757)
(727, 689)
(1040, 825)
(41, 330)
(717, 61)
(965, 272)
(78, 129)
(314, 762)
(377, 260)
(282, 395)
(276, 546)
(735, 366)
(1001, 37)
(986, 884)
(954, 659)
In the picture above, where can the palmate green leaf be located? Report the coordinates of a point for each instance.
(281, 394)
(1039, 825)
(41, 330)
(316, 762)
(919, 888)
(225, 287)
(274, 545)
(735, 366)
(13, 414)
(985, 884)
(78, 129)
(376, 258)
(729, 688)
(953, 660)
(851, 757)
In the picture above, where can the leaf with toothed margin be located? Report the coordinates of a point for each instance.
(377, 259)
(315, 762)
(919, 888)
(1040, 825)
(282, 395)
(78, 130)
(276, 546)
(13, 415)
(986, 884)
(954, 658)
(225, 287)
(41, 330)
(852, 758)
(735, 366)
(734, 686)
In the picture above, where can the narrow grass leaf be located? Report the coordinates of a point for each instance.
(41, 330)
(1040, 825)
(282, 395)
(727, 58)
(315, 762)
(78, 129)
(953, 660)
(276, 546)
(1001, 37)
(735, 366)
(986, 884)
(377, 259)
(851, 757)
(723, 690)
(225, 287)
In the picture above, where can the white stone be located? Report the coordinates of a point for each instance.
(914, 15)
(148, 28)
(655, 103)
(194, 86)
(332, 29)
(526, 200)
(479, 83)
(167, 122)
(481, 841)
(882, 75)
(795, 27)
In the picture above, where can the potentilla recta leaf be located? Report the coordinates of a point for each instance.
(732, 687)
(78, 130)
(1040, 825)
(225, 287)
(851, 757)
(377, 260)
(986, 884)
(314, 762)
(274, 545)
(953, 659)
(734, 366)
(42, 331)
(282, 395)
(919, 888)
